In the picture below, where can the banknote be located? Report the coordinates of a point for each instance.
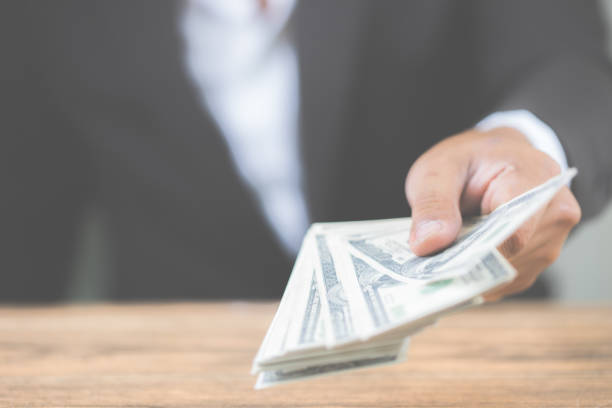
(385, 349)
(276, 339)
(357, 293)
(393, 304)
(389, 355)
(392, 252)
(340, 327)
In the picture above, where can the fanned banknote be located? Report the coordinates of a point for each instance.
(357, 292)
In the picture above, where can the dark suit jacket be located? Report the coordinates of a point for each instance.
(97, 108)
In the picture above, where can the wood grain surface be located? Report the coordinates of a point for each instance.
(184, 355)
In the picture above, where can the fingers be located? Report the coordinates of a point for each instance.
(558, 219)
(560, 216)
(433, 188)
(506, 185)
(519, 285)
(520, 239)
(565, 210)
(529, 266)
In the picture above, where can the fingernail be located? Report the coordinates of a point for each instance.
(426, 229)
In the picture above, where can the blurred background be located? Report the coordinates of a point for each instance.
(583, 272)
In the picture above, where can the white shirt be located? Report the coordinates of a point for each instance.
(245, 68)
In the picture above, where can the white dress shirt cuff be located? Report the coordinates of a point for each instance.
(541, 136)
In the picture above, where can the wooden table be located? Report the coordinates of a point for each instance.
(180, 355)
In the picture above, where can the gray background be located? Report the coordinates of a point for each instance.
(583, 271)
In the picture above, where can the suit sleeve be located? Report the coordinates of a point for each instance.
(549, 57)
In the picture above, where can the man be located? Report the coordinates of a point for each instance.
(211, 133)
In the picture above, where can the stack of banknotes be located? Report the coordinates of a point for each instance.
(357, 293)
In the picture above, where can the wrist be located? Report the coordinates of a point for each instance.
(539, 134)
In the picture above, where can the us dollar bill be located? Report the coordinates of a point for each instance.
(391, 251)
(357, 292)
(392, 304)
(332, 294)
(383, 356)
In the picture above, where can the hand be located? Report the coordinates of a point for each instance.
(475, 172)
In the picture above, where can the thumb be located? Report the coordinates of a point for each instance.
(433, 188)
